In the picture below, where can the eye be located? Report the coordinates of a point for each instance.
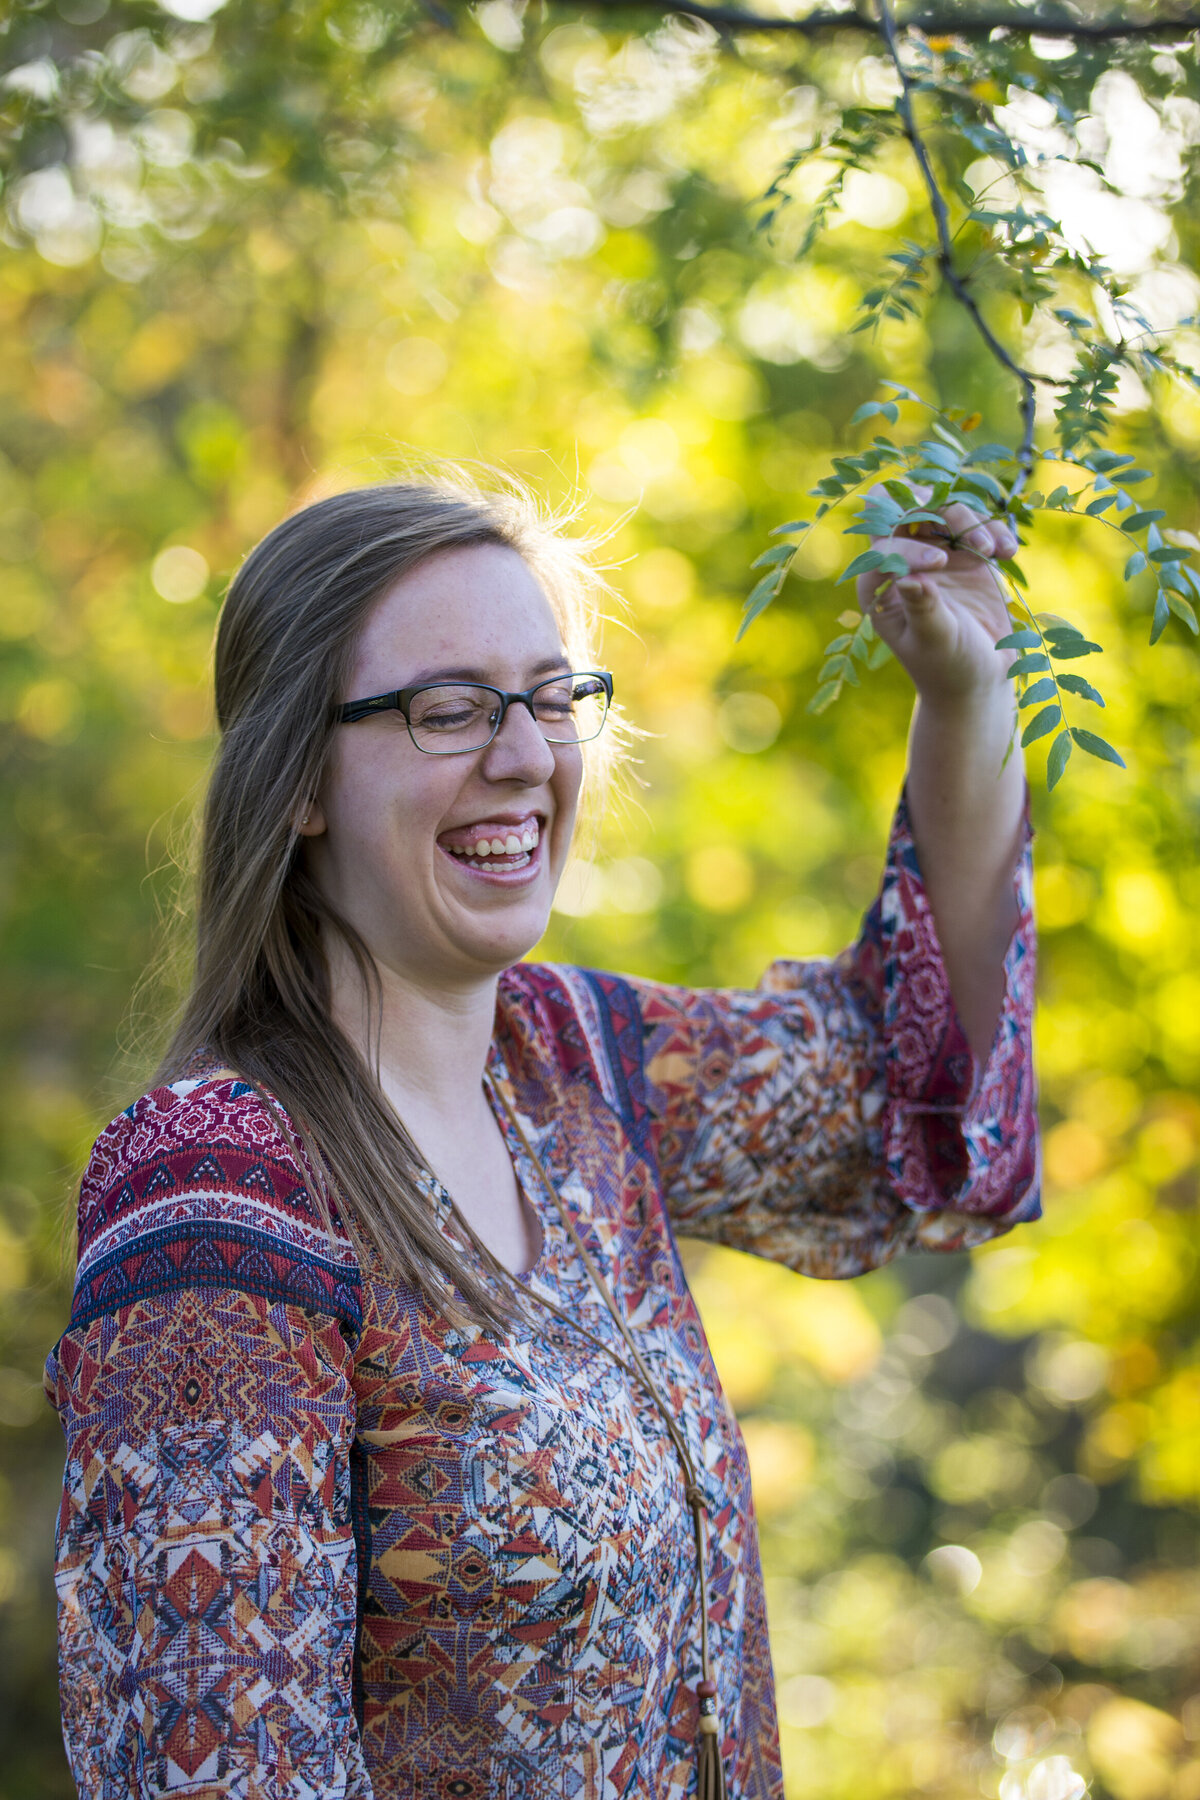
(450, 709)
(555, 699)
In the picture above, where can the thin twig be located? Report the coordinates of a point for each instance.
(933, 24)
(941, 219)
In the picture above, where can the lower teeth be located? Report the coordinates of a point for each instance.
(497, 862)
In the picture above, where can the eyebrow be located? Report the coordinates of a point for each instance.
(552, 665)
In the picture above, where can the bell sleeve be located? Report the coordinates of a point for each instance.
(835, 1116)
(206, 1568)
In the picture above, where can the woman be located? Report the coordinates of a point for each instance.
(397, 1463)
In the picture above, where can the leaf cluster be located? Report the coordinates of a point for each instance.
(994, 246)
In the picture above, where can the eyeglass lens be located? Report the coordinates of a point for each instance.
(569, 710)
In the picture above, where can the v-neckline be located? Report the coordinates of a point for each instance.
(529, 1187)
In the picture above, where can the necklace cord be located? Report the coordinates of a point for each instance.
(711, 1772)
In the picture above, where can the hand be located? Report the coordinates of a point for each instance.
(941, 620)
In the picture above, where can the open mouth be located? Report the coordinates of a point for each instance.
(495, 847)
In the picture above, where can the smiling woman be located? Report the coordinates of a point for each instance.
(398, 1464)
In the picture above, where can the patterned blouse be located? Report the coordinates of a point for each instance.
(317, 1544)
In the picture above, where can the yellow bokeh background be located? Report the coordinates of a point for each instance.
(977, 1478)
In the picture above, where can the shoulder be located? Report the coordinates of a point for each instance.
(558, 1024)
(202, 1183)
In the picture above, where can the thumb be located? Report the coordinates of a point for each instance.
(910, 609)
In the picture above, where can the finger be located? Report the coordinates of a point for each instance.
(988, 537)
(909, 612)
(969, 530)
(1007, 541)
(918, 553)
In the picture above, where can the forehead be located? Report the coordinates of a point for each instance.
(475, 608)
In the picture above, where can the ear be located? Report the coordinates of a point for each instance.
(311, 822)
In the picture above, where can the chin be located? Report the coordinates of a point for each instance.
(507, 941)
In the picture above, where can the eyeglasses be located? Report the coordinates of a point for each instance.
(452, 718)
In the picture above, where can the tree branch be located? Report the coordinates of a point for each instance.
(956, 282)
(933, 24)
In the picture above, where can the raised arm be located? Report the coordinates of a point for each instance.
(205, 1560)
(835, 1116)
(966, 805)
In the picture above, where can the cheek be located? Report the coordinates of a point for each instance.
(567, 782)
(369, 801)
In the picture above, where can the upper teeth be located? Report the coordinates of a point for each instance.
(511, 845)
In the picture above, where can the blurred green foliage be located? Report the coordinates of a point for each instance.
(301, 245)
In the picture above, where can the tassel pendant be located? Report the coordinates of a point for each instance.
(710, 1783)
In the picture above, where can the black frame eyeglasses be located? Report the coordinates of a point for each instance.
(551, 708)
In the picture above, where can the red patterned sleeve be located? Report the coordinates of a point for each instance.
(835, 1116)
(206, 1567)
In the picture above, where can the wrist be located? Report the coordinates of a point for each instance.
(990, 697)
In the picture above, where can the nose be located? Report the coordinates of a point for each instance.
(519, 752)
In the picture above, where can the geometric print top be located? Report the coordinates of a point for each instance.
(316, 1543)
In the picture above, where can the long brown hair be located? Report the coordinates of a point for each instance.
(260, 998)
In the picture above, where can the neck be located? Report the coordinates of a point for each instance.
(428, 1045)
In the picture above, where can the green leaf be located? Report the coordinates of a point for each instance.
(979, 478)
(1096, 746)
(1128, 478)
(778, 553)
(870, 408)
(863, 565)
(879, 655)
(1107, 460)
(758, 599)
(824, 697)
(1096, 507)
(1046, 720)
(838, 643)
(874, 560)
(1183, 609)
(1135, 565)
(792, 525)
(944, 452)
(1162, 615)
(901, 492)
(1138, 520)
(1056, 762)
(1169, 553)
(1029, 665)
(1015, 572)
(1020, 640)
(1175, 575)
(835, 669)
(1059, 497)
(1065, 649)
(1045, 689)
(991, 453)
(1075, 684)
(948, 437)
